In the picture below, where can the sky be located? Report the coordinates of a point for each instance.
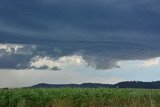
(77, 41)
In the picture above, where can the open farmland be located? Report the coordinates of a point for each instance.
(79, 97)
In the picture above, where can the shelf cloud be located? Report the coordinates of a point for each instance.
(95, 33)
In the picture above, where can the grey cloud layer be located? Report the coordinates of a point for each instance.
(102, 31)
(100, 55)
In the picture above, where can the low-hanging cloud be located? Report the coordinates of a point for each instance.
(102, 32)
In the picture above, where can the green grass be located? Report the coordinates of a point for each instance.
(77, 97)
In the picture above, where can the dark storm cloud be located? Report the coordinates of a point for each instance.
(102, 31)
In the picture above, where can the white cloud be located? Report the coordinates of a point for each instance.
(38, 62)
(151, 62)
(11, 47)
(17, 48)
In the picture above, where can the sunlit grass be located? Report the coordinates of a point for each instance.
(78, 97)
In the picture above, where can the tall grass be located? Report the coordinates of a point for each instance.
(77, 97)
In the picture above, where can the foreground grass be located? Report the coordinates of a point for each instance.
(76, 97)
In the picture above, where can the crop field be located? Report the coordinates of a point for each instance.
(78, 97)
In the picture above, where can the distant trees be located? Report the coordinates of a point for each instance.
(126, 84)
(139, 84)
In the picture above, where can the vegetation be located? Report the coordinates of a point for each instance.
(79, 97)
(125, 84)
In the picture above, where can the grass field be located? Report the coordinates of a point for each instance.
(76, 97)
